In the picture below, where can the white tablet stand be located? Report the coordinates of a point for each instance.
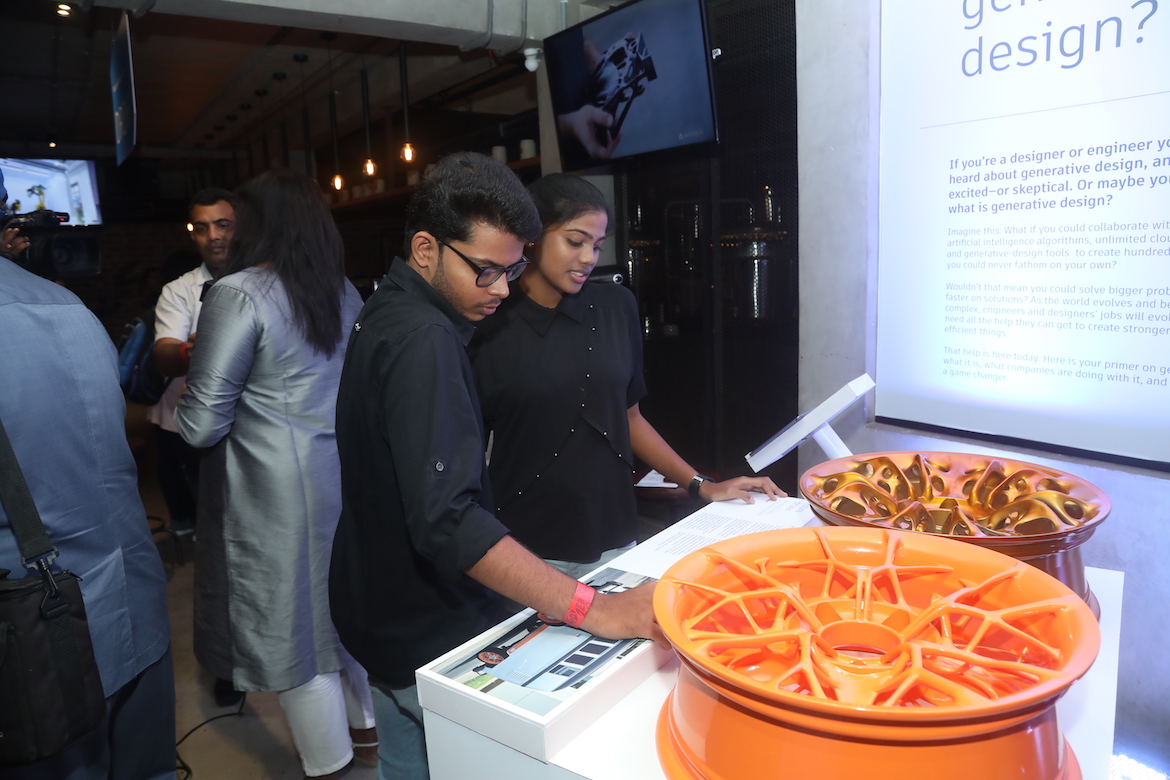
(814, 423)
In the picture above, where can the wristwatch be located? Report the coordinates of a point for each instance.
(696, 482)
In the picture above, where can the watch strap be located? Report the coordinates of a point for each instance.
(697, 482)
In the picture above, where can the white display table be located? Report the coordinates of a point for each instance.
(616, 735)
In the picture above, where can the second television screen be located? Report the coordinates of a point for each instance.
(631, 81)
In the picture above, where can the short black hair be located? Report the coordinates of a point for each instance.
(466, 188)
(562, 197)
(209, 197)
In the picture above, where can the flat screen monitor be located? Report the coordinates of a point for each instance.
(67, 186)
(636, 79)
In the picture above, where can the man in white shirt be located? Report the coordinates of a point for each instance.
(176, 315)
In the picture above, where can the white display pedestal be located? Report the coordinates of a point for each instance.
(620, 744)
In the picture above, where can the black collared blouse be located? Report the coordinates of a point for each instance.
(555, 385)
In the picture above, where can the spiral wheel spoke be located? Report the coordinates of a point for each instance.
(837, 629)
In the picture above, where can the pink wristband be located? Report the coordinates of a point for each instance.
(185, 352)
(579, 607)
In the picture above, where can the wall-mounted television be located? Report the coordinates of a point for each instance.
(633, 80)
(66, 186)
(54, 203)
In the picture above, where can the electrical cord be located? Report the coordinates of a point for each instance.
(182, 767)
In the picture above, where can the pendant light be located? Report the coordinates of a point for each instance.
(369, 166)
(279, 77)
(408, 153)
(265, 153)
(337, 182)
(246, 107)
(301, 59)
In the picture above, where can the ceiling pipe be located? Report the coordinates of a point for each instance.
(523, 30)
(484, 41)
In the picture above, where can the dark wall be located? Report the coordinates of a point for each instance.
(130, 281)
(712, 244)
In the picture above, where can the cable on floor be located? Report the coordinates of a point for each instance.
(182, 770)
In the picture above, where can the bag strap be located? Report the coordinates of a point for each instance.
(36, 550)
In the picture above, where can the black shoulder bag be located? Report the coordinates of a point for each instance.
(50, 692)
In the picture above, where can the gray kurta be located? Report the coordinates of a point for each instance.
(269, 489)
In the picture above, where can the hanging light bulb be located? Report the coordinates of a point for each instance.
(337, 181)
(369, 166)
(408, 154)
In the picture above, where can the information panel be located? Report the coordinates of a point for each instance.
(1024, 265)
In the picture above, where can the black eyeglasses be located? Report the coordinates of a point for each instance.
(489, 275)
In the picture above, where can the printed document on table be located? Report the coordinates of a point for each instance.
(716, 521)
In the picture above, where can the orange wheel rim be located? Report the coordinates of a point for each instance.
(1034, 513)
(863, 635)
(954, 494)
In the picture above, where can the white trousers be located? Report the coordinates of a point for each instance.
(320, 714)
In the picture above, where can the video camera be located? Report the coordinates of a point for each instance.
(55, 249)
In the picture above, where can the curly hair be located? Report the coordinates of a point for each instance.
(468, 188)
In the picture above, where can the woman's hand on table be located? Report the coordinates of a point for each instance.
(741, 488)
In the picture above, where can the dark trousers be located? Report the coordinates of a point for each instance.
(136, 741)
(178, 473)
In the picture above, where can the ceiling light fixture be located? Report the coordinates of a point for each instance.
(246, 107)
(301, 59)
(369, 166)
(265, 156)
(64, 9)
(279, 77)
(408, 153)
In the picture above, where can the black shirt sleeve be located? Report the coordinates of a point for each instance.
(431, 419)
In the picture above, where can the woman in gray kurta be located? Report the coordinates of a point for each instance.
(261, 395)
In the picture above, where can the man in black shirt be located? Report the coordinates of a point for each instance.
(419, 561)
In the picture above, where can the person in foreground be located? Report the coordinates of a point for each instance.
(419, 561)
(65, 415)
(261, 393)
(559, 373)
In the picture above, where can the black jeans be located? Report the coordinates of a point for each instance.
(136, 741)
(178, 473)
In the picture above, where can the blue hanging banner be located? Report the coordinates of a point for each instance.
(122, 91)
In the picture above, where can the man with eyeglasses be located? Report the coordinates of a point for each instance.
(211, 220)
(419, 561)
(176, 315)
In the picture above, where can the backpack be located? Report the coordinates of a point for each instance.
(137, 374)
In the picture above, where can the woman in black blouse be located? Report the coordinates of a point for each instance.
(559, 368)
